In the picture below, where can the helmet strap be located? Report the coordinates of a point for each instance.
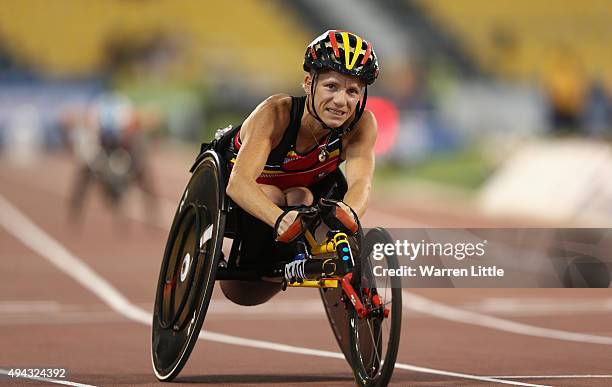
(311, 107)
(358, 111)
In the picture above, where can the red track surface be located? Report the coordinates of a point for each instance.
(48, 319)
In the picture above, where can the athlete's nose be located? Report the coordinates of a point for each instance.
(340, 99)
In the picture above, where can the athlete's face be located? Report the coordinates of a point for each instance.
(336, 96)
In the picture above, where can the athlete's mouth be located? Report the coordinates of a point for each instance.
(335, 112)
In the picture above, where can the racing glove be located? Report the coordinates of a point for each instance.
(306, 215)
(336, 218)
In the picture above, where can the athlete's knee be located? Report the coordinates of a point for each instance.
(299, 196)
(274, 194)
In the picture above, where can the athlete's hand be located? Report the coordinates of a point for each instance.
(285, 222)
(348, 210)
(338, 215)
(293, 223)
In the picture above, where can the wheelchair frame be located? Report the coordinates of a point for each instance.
(336, 275)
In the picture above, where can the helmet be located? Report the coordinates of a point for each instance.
(344, 52)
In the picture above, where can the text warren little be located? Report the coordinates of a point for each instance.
(433, 271)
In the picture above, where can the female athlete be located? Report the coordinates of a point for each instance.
(288, 151)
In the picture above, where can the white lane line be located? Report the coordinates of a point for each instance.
(42, 312)
(48, 380)
(7, 307)
(222, 338)
(554, 377)
(18, 225)
(463, 376)
(433, 308)
(32, 236)
(529, 306)
(52, 312)
(64, 319)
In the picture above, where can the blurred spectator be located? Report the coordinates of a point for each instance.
(110, 146)
(598, 113)
(566, 87)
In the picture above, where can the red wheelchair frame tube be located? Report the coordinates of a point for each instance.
(361, 310)
(347, 288)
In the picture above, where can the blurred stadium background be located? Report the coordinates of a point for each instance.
(499, 108)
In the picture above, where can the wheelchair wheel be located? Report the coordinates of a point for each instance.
(188, 270)
(374, 340)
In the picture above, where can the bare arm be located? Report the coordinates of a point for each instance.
(259, 132)
(360, 162)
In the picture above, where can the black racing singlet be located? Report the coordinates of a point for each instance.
(285, 168)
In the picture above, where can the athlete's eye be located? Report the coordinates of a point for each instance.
(330, 86)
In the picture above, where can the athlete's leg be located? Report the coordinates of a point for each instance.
(257, 247)
(274, 194)
(256, 236)
(298, 196)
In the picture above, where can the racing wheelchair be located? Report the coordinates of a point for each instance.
(364, 312)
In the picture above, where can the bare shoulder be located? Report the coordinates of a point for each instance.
(368, 121)
(365, 129)
(279, 100)
(280, 104)
(270, 117)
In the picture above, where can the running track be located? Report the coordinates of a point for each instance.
(79, 297)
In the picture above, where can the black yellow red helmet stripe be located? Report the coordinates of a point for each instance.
(334, 42)
(367, 53)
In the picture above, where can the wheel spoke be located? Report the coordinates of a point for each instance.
(375, 342)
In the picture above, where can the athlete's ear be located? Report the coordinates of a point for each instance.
(307, 83)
